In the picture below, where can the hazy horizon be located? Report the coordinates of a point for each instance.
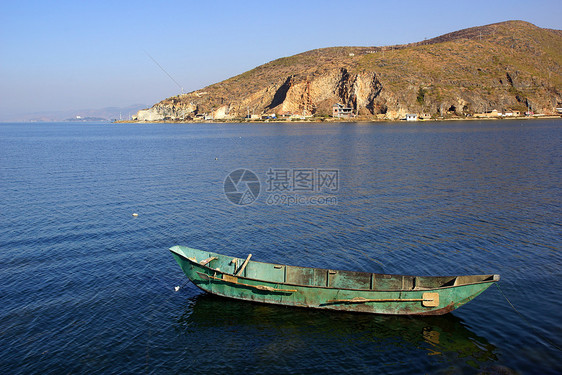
(68, 56)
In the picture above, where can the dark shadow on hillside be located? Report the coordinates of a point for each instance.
(281, 93)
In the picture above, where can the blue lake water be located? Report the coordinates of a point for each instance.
(86, 287)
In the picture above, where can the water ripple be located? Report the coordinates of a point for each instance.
(87, 287)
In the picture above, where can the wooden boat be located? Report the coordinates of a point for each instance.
(328, 289)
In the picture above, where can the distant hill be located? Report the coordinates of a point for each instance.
(99, 114)
(511, 65)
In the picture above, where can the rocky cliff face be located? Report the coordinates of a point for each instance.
(512, 65)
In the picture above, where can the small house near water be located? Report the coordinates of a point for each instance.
(340, 111)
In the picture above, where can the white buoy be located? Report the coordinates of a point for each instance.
(176, 288)
(135, 214)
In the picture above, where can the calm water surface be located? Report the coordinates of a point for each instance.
(86, 287)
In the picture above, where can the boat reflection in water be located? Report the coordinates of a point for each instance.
(280, 335)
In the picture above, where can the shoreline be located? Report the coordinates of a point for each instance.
(334, 120)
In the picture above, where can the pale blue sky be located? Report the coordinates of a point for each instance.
(60, 55)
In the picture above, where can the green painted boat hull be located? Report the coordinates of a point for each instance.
(328, 289)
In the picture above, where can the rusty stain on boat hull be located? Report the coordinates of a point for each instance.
(447, 309)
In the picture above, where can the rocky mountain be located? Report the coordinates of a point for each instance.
(512, 65)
